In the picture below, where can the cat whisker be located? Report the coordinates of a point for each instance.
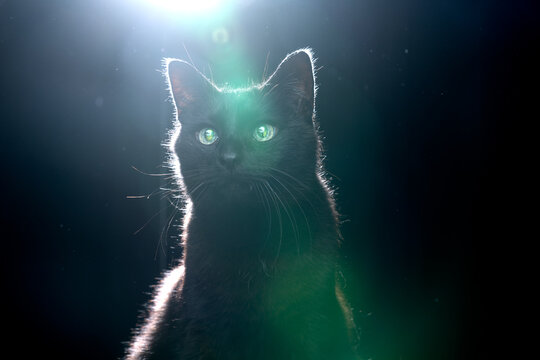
(148, 221)
(195, 198)
(278, 201)
(164, 233)
(192, 192)
(304, 186)
(278, 213)
(334, 176)
(268, 213)
(265, 70)
(211, 74)
(290, 215)
(148, 196)
(148, 174)
(271, 89)
(299, 207)
(175, 205)
(187, 53)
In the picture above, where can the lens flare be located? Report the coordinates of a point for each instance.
(186, 6)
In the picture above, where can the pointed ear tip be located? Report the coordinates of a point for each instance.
(305, 51)
(172, 63)
(302, 56)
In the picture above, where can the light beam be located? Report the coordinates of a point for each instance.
(186, 6)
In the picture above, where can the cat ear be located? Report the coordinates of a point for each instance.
(187, 84)
(294, 82)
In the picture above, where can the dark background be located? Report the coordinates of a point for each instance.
(408, 105)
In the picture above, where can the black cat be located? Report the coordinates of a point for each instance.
(259, 275)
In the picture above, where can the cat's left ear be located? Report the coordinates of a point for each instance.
(187, 84)
(294, 83)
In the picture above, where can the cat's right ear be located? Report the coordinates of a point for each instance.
(187, 84)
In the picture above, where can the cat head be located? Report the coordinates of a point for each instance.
(232, 141)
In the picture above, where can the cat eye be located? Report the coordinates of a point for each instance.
(264, 132)
(207, 136)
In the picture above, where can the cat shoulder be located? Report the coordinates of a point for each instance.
(171, 282)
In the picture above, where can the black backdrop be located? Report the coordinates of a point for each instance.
(406, 103)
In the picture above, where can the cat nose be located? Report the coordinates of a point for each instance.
(229, 159)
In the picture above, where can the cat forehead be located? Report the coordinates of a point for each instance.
(243, 104)
(230, 110)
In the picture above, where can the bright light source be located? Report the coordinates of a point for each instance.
(186, 6)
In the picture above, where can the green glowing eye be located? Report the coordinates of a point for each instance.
(264, 132)
(207, 136)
